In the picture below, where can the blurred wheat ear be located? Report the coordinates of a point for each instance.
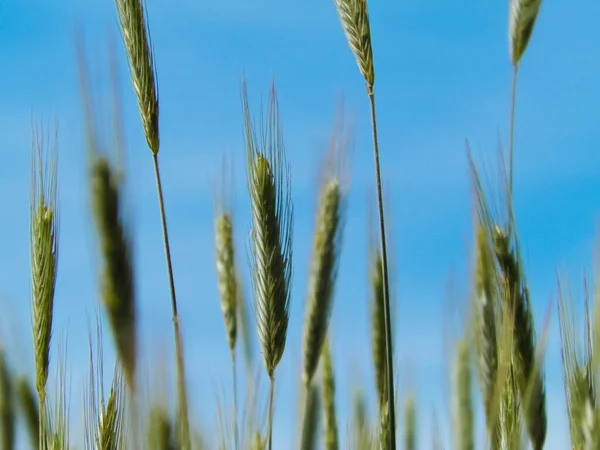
(518, 304)
(117, 285)
(326, 250)
(7, 405)
(310, 422)
(29, 408)
(522, 18)
(410, 423)
(44, 257)
(485, 305)
(269, 186)
(227, 272)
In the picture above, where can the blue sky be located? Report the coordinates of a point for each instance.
(442, 76)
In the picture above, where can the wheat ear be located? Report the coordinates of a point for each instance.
(136, 37)
(310, 422)
(29, 407)
(328, 393)
(486, 333)
(518, 304)
(326, 249)
(44, 258)
(271, 236)
(7, 405)
(117, 285)
(160, 429)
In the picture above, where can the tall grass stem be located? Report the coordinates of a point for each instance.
(511, 130)
(182, 396)
(384, 265)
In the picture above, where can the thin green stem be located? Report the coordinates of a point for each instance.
(386, 292)
(270, 419)
(41, 437)
(182, 397)
(235, 401)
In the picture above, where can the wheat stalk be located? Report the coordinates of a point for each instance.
(271, 236)
(354, 17)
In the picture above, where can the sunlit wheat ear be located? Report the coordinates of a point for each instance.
(29, 408)
(117, 286)
(226, 274)
(44, 253)
(310, 422)
(271, 235)
(330, 426)
(462, 399)
(522, 17)
(7, 406)
(354, 16)
(485, 313)
(136, 37)
(517, 301)
(410, 423)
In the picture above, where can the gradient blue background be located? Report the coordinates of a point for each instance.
(442, 76)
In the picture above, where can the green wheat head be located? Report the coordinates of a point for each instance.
(272, 226)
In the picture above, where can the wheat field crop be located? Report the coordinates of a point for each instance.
(296, 324)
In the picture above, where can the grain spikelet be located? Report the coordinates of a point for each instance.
(117, 287)
(29, 408)
(136, 37)
(327, 241)
(462, 399)
(354, 16)
(44, 253)
(328, 394)
(522, 17)
(7, 405)
(271, 235)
